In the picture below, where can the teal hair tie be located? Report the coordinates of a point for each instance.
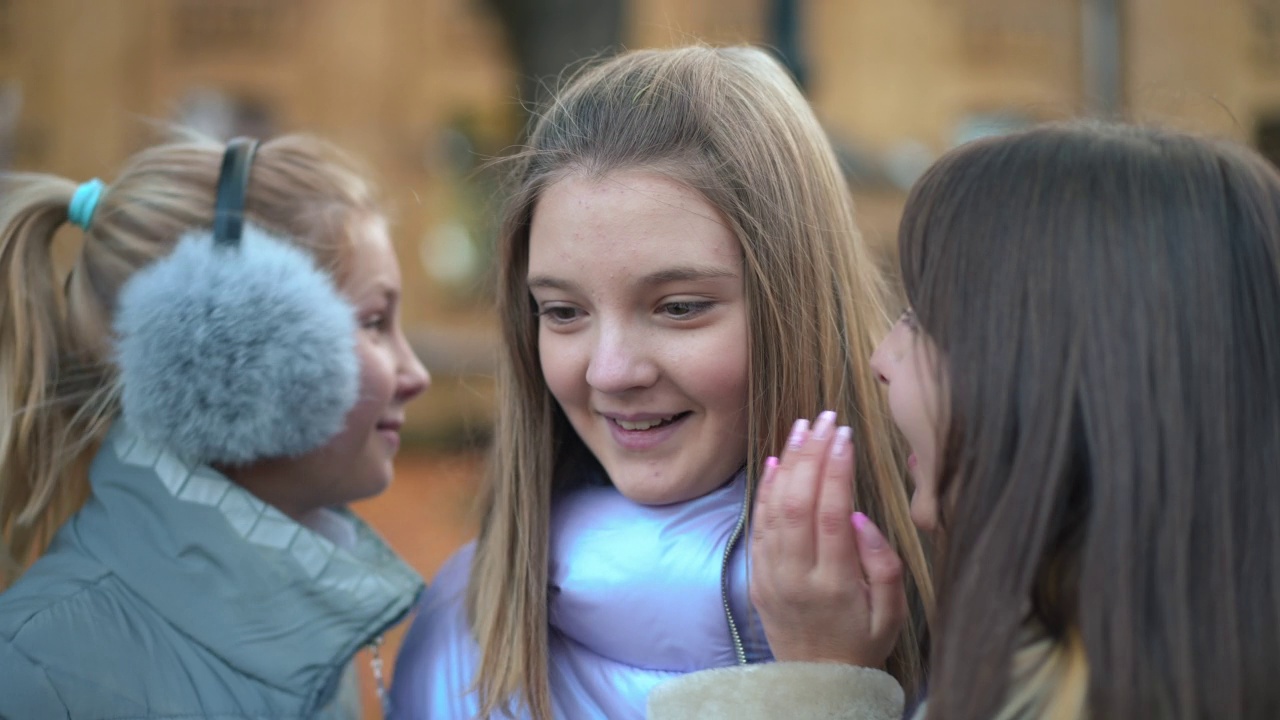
(84, 202)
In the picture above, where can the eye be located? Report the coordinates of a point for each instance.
(685, 309)
(558, 314)
(376, 321)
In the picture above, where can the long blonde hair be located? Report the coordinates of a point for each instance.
(730, 123)
(58, 389)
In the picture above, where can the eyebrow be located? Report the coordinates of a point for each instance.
(381, 290)
(661, 277)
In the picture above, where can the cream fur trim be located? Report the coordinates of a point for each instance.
(811, 691)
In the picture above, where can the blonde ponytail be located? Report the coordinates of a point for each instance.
(50, 403)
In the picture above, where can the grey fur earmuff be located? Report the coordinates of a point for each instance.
(235, 347)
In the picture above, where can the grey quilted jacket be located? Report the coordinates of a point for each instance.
(174, 593)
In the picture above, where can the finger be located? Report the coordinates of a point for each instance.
(797, 493)
(770, 506)
(782, 482)
(761, 565)
(764, 490)
(837, 545)
(883, 570)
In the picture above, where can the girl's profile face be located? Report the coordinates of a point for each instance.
(638, 285)
(905, 361)
(357, 463)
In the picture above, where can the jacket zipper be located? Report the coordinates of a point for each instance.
(379, 686)
(734, 537)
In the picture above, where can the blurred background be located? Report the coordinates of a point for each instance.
(426, 91)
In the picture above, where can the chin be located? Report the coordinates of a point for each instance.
(369, 488)
(658, 493)
(923, 516)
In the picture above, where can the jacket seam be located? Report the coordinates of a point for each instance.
(53, 687)
(93, 585)
(90, 585)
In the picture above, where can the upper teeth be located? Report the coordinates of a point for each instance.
(642, 424)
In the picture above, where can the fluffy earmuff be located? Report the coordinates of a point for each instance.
(231, 352)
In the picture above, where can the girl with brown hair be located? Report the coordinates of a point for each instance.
(1089, 378)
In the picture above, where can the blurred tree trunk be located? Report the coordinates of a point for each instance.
(786, 21)
(546, 36)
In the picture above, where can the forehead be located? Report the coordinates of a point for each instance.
(371, 258)
(626, 225)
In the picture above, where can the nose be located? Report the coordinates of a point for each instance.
(412, 377)
(620, 361)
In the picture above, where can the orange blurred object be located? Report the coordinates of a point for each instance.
(428, 513)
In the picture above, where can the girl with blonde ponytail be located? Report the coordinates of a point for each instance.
(175, 541)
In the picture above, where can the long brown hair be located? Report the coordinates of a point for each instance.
(1105, 302)
(731, 124)
(58, 387)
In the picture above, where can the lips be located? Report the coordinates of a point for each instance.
(646, 424)
(643, 432)
(641, 423)
(389, 430)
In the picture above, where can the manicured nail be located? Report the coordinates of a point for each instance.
(872, 538)
(822, 428)
(841, 445)
(771, 462)
(798, 432)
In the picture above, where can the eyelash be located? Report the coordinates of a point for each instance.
(693, 309)
(550, 314)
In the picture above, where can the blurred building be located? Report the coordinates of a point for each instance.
(426, 90)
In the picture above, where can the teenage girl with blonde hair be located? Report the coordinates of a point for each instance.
(226, 350)
(679, 273)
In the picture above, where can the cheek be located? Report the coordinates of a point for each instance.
(718, 384)
(564, 374)
(714, 367)
(914, 407)
(903, 407)
(377, 383)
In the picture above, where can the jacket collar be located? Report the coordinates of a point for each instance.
(646, 586)
(273, 599)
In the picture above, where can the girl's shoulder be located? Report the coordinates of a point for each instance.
(439, 657)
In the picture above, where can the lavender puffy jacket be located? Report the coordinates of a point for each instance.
(637, 596)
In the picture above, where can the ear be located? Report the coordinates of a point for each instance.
(234, 354)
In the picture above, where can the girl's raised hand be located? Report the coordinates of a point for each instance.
(827, 585)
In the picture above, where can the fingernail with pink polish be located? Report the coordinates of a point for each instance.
(822, 428)
(872, 538)
(841, 445)
(771, 462)
(797, 433)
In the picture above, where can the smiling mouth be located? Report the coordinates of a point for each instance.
(642, 425)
